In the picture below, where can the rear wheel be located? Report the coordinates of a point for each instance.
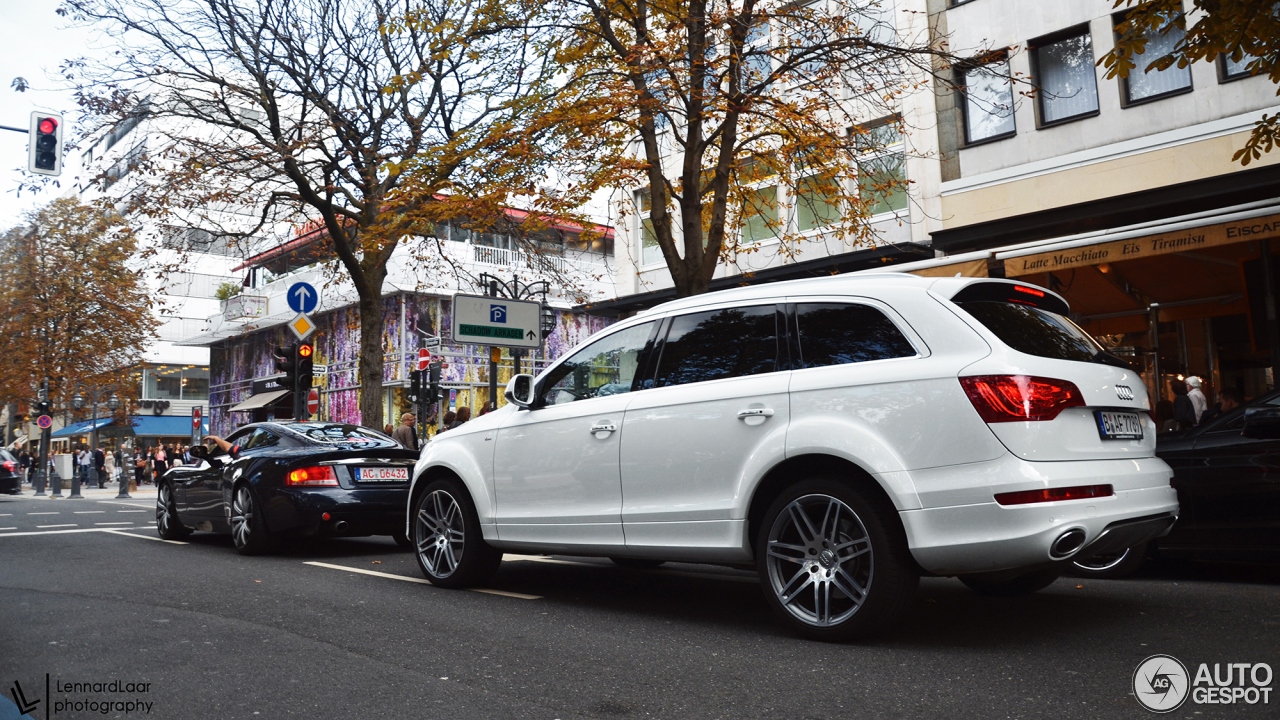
(1024, 584)
(167, 523)
(832, 562)
(449, 546)
(1111, 565)
(636, 563)
(248, 531)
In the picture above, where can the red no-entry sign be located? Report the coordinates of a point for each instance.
(313, 402)
(424, 358)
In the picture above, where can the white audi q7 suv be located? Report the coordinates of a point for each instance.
(844, 435)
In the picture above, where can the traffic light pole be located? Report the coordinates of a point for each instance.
(46, 435)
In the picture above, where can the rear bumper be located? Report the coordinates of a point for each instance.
(987, 537)
(364, 511)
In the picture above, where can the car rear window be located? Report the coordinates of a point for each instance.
(352, 435)
(1033, 330)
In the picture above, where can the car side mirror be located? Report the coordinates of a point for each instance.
(519, 391)
(1262, 423)
(200, 452)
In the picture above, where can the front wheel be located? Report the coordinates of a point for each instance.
(449, 546)
(248, 531)
(1111, 565)
(167, 523)
(833, 563)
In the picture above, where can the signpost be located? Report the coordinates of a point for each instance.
(313, 402)
(197, 424)
(480, 320)
(302, 297)
(424, 358)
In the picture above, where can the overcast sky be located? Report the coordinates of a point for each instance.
(33, 43)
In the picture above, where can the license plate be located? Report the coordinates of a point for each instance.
(1119, 425)
(382, 474)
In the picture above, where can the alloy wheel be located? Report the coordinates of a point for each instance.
(241, 516)
(819, 560)
(163, 498)
(439, 534)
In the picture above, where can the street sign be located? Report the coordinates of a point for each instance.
(302, 297)
(431, 342)
(313, 402)
(302, 326)
(480, 320)
(45, 422)
(424, 358)
(197, 424)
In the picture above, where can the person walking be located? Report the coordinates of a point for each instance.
(24, 462)
(100, 466)
(85, 460)
(110, 468)
(1183, 410)
(464, 414)
(139, 465)
(1199, 403)
(159, 463)
(406, 434)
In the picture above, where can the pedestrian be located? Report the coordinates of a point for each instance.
(110, 467)
(1184, 413)
(1198, 401)
(186, 456)
(85, 460)
(159, 463)
(100, 466)
(449, 417)
(406, 434)
(464, 414)
(388, 430)
(24, 462)
(139, 465)
(1228, 400)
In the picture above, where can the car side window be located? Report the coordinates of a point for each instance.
(605, 367)
(720, 344)
(842, 333)
(260, 439)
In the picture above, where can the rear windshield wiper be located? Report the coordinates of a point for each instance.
(1105, 358)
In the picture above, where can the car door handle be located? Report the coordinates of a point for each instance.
(755, 412)
(603, 428)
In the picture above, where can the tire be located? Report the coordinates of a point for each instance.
(826, 534)
(636, 563)
(248, 530)
(1024, 584)
(167, 523)
(448, 543)
(1111, 565)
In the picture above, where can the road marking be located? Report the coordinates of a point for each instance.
(123, 533)
(126, 522)
(420, 581)
(12, 528)
(43, 513)
(6, 514)
(126, 511)
(54, 526)
(89, 512)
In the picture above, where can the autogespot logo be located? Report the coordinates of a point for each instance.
(1160, 683)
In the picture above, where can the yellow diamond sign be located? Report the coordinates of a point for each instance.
(302, 326)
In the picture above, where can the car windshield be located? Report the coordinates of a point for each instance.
(341, 434)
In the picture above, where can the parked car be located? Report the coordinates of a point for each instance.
(10, 474)
(842, 435)
(289, 479)
(1227, 474)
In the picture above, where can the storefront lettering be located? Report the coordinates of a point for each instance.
(1234, 231)
(1160, 244)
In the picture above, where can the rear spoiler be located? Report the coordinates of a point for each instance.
(1014, 292)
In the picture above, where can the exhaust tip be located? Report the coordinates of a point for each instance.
(340, 526)
(1067, 544)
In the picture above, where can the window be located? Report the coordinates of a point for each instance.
(650, 251)
(719, 344)
(817, 201)
(195, 384)
(1033, 330)
(882, 174)
(605, 367)
(757, 63)
(840, 333)
(174, 382)
(1143, 85)
(260, 439)
(1065, 77)
(1235, 69)
(759, 201)
(988, 101)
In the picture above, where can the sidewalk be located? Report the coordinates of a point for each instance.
(145, 492)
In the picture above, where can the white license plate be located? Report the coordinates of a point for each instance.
(1119, 425)
(382, 474)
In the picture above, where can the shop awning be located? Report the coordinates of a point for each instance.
(164, 426)
(260, 400)
(81, 428)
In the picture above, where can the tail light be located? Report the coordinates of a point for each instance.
(1015, 398)
(319, 476)
(1026, 497)
(11, 466)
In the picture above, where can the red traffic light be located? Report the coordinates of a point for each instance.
(48, 126)
(304, 351)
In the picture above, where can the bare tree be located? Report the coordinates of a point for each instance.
(276, 113)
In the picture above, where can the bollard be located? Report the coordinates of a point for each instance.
(37, 481)
(57, 485)
(124, 485)
(75, 487)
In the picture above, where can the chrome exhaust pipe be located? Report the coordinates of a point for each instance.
(340, 526)
(1067, 544)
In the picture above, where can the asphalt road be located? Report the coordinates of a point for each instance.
(321, 631)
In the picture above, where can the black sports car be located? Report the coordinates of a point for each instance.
(290, 479)
(1227, 474)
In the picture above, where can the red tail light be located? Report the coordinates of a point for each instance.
(1014, 398)
(1027, 497)
(321, 476)
(11, 466)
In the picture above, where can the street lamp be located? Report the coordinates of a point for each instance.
(96, 393)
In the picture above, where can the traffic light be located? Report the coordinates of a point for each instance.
(44, 151)
(44, 407)
(433, 382)
(287, 362)
(416, 395)
(303, 372)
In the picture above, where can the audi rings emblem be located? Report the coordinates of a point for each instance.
(1124, 392)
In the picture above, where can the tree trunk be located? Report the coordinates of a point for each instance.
(371, 359)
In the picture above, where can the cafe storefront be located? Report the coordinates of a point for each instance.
(1184, 296)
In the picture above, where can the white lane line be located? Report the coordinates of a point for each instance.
(12, 528)
(52, 532)
(124, 533)
(126, 522)
(420, 581)
(89, 512)
(106, 502)
(128, 511)
(6, 514)
(43, 513)
(54, 526)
